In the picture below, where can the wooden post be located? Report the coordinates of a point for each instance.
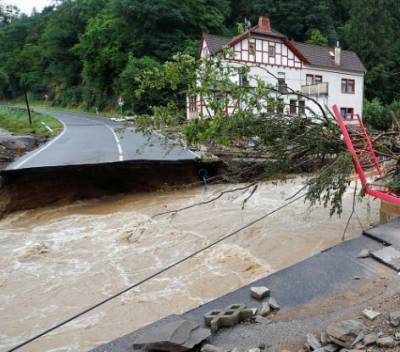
(28, 108)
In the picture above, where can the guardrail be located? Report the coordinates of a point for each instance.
(13, 108)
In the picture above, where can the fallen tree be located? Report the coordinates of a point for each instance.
(259, 121)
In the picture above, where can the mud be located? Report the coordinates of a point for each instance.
(58, 260)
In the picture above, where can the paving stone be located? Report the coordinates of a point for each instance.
(177, 336)
(227, 317)
(389, 256)
(211, 348)
(385, 342)
(260, 292)
(312, 342)
(394, 318)
(358, 339)
(328, 348)
(345, 332)
(363, 254)
(261, 320)
(273, 303)
(265, 309)
(254, 350)
(370, 339)
(370, 314)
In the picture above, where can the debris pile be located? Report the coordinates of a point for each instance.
(181, 334)
(353, 335)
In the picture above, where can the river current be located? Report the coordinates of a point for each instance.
(58, 260)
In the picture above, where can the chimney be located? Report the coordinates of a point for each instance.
(264, 24)
(338, 54)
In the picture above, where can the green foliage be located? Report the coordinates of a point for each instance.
(316, 37)
(17, 122)
(128, 84)
(377, 115)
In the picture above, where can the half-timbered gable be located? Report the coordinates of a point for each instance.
(328, 75)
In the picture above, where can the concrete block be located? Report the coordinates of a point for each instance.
(260, 293)
(227, 317)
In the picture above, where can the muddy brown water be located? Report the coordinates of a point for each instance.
(57, 261)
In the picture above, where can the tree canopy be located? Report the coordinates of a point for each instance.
(80, 52)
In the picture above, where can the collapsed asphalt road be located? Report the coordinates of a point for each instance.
(88, 140)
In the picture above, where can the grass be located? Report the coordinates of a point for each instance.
(17, 122)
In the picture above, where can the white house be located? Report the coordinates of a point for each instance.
(328, 75)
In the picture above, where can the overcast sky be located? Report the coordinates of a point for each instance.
(26, 6)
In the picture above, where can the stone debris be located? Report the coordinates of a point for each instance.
(265, 309)
(345, 332)
(370, 339)
(364, 254)
(358, 339)
(227, 317)
(397, 336)
(177, 336)
(260, 292)
(312, 343)
(370, 314)
(394, 318)
(258, 319)
(273, 303)
(324, 338)
(211, 348)
(254, 350)
(385, 342)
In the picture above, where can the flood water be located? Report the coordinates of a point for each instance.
(56, 261)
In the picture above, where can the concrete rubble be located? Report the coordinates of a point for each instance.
(364, 254)
(370, 314)
(389, 256)
(354, 336)
(260, 293)
(177, 336)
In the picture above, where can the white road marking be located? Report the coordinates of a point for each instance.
(41, 149)
(120, 153)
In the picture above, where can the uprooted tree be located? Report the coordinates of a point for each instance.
(258, 120)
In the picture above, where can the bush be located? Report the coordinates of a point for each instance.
(377, 115)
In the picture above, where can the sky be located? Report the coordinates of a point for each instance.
(26, 6)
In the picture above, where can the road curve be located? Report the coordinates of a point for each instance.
(96, 140)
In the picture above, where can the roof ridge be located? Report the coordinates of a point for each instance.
(322, 46)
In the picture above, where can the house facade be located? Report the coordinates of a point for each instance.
(327, 75)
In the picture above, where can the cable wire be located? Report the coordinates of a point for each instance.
(158, 273)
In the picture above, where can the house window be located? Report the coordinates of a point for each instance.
(348, 86)
(243, 80)
(313, 79)
(271, 50)
(302, 107)
(252, 46)
(281, 77)
(193, 104)
(347, 113)
(293, 107)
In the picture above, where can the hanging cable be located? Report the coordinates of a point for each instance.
(158, 273)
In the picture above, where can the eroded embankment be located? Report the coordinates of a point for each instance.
(32, 188)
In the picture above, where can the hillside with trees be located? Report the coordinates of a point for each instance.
(88, 52)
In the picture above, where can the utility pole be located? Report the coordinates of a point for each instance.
(27, 107)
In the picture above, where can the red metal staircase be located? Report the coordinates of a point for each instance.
(365, 160)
